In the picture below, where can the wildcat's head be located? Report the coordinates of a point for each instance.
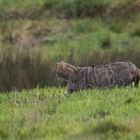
(66, 71)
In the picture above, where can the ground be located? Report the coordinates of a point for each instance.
(53, 114)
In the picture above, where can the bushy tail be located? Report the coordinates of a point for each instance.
(138, 73)
(137, 77)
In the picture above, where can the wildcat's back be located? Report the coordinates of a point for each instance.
(109, 75)
(116, 74)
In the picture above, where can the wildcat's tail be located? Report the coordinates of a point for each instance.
(137, 77)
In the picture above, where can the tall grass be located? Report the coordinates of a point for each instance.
(28, 68)
(97, 57)
(23, 69)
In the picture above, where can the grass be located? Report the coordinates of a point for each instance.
(67, 8)
(16, 4)
(24, 69)
(64, 30)
(81, 42)
(12, 5)
(52, 114)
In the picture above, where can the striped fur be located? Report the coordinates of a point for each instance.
(67, 71)
(110, 75)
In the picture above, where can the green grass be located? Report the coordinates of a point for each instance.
(11, 5)
(52, 114)
(82, 42)
(7, 5)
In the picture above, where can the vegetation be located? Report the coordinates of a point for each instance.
(23, 69)
(52, 114)
(34, 35)
(81, 42)
(70, 8)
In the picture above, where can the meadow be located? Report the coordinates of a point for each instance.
(52, 114)
(34, 35)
